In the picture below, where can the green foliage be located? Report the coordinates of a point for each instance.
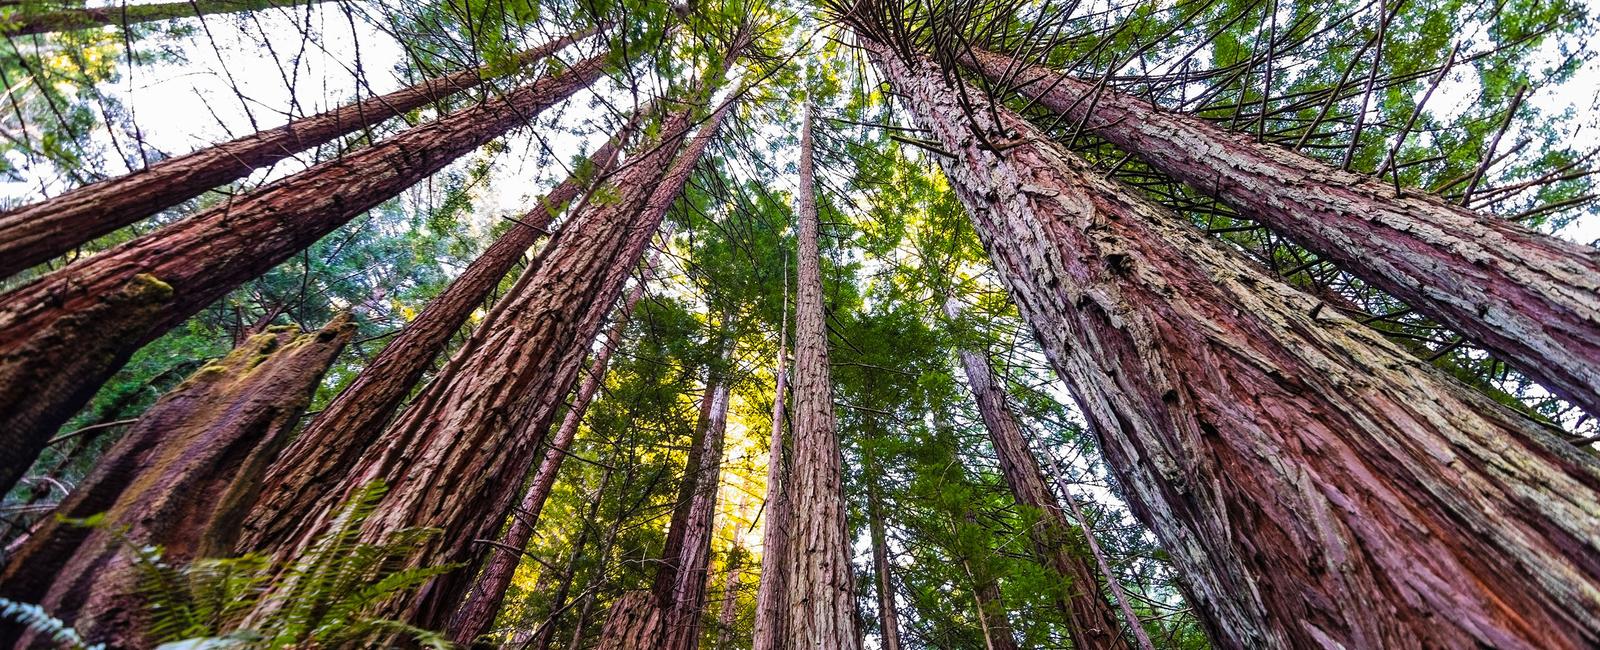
(34, 618)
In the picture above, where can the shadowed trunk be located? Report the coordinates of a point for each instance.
(74, 318)
(634, 621)
(821, 599)
(772, 596)
(37, 233)
(22, 23)
(1315, 484)
(449, 458)
(489, 589)
(337, 437)
(883, 573)
(1091, 621)
(178, 478)
(1532, 298)
(997, 634)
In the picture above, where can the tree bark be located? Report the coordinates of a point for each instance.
(888, 613)
(730, 601)
(21, 23)
(46, 326)
(1531, 298)
(633, 622)
(489, 589)
(37, 233)
(333, 441)
(178, 478)
(997, 634)
(772, 596)
(1091, 621)
(448, 458)
(1316, 485)
(821, 591)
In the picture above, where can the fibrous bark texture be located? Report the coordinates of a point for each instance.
(489, 589)
(633, 622)
(40, 232)
(821, 591)
(43, 327)
(178, 478)
(449, 458)
(680, 585)
(336, 438)
(1531, 298)
(22, 23)
(1316, 485)
(1091, 621)
(772, 595)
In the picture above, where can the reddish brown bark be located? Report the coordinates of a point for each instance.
(42, 325)
(1531, 298)
(449, 458)
(489, 589)
(680, 585)
(335, 439)
(1091, 621)
(997, 634)
(36, 233)
(772, 596)
(178, 478)
(883, 583)
(22, 23)
(1315, 484)
(633, 622)
(821, 591)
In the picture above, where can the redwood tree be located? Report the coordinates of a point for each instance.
(1532, 298)
(64, 334)
(821, 599)
(178, 478)
(37, 233)
(24, 22)
(772, 605)
(333, 442)
(1315, 484)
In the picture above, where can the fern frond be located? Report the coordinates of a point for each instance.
(34, 618)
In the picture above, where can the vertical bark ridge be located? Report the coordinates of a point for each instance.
(772, 605)
(1316, 485)
(331, 444)
(821, 590)
(204, 257)
(489, 588)
(177, 479)
(33, 234)
(1532, 298)
(1091, 621)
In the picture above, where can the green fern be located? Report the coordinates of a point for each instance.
(321, 599)
(34, 618)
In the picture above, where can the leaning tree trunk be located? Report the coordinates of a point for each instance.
(63, 335)
(322, 454)
(1531, 298)
(489, 588)
(1316, 485)
(822, 603)
(772, 604)
(888, 614)
(997, 634)
(1091, 621)
(178, 478)
(22, 23)
(679, 589)
(450, 456)
(36, 233)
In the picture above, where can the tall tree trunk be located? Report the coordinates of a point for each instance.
(178, 478)
(36, 233)
(89, 317)
(1315, 484)
(730, 600)
(1532, 298)
(997, 633)
(22, 23)
(558, 603)
(888, 613)
(772, 596)
(489, 589)
(1091, 621)
(337, 438)
(450, 456)
(821, 599)
(678, 591)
